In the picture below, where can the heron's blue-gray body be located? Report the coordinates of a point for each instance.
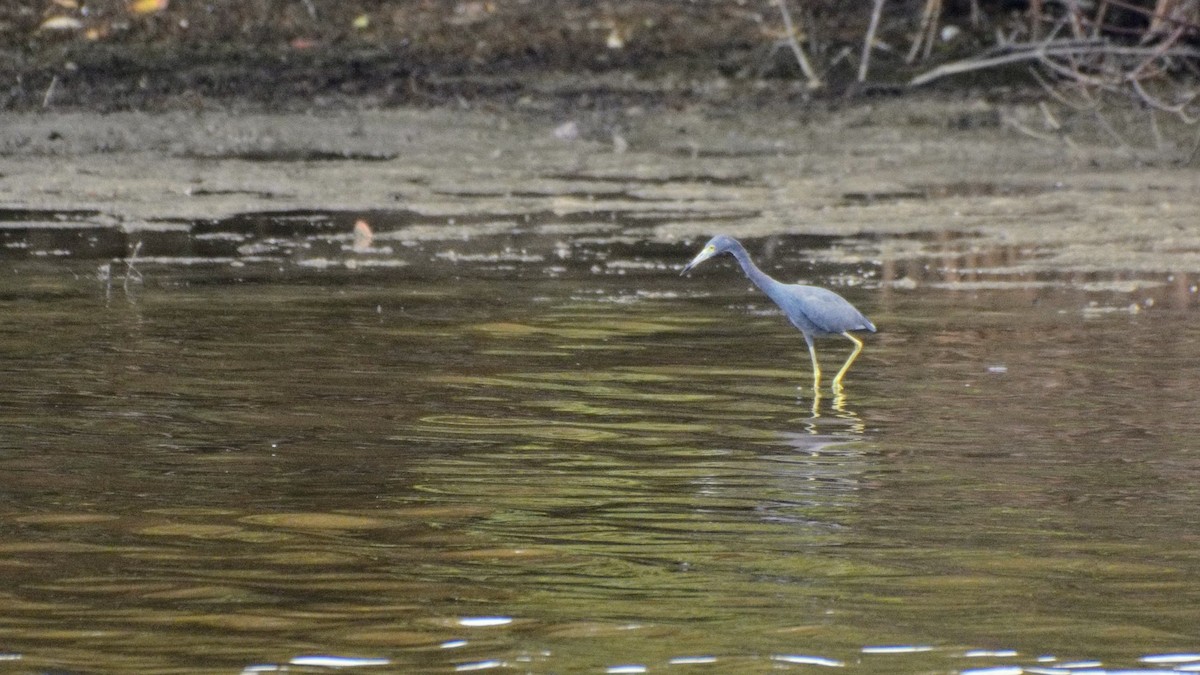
(814, 310)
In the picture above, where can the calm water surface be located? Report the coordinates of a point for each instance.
(549, 453)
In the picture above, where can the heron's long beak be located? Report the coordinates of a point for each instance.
(708, 252)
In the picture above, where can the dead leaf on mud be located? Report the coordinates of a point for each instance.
(62, 23)
(147, 6)
(362, 235)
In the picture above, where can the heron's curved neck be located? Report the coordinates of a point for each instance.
(759, 277)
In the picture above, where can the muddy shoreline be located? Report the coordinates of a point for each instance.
(881, 170)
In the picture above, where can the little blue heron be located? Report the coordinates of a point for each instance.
(815, 311)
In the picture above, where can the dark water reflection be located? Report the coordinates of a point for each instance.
(529, 461)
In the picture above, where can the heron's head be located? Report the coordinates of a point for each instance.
(715, 247)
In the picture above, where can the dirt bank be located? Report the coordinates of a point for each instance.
(108, 55)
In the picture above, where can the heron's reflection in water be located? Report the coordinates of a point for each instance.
(819, 468)
(841, 415)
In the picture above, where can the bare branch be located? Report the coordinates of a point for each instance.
(1042, 52)
(1054, 92)
(1162, 48)
(1179, 109)
(928, 30)
(1154, 130)
(50, 92)
(1093, 62)
(1022, 128)
(814, 82)
(869, 40)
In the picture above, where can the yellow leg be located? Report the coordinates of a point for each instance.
(858, 345)
(812, 351)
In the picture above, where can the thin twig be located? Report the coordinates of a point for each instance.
(1104, 123)
(1157, 54)
(1180, 109)
(1098, 20)
(869, 41)
(1075, 74)
(1059, 136)
(1054, 92)
(814, 82)
(1112, 131)
(1015, 124)
(1159, 144)
(925, 33)
(843, 54)
(105, 275)
(130, 263)
(1051, 121)
(50, 92)
(931, 37)
(1075, 16)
